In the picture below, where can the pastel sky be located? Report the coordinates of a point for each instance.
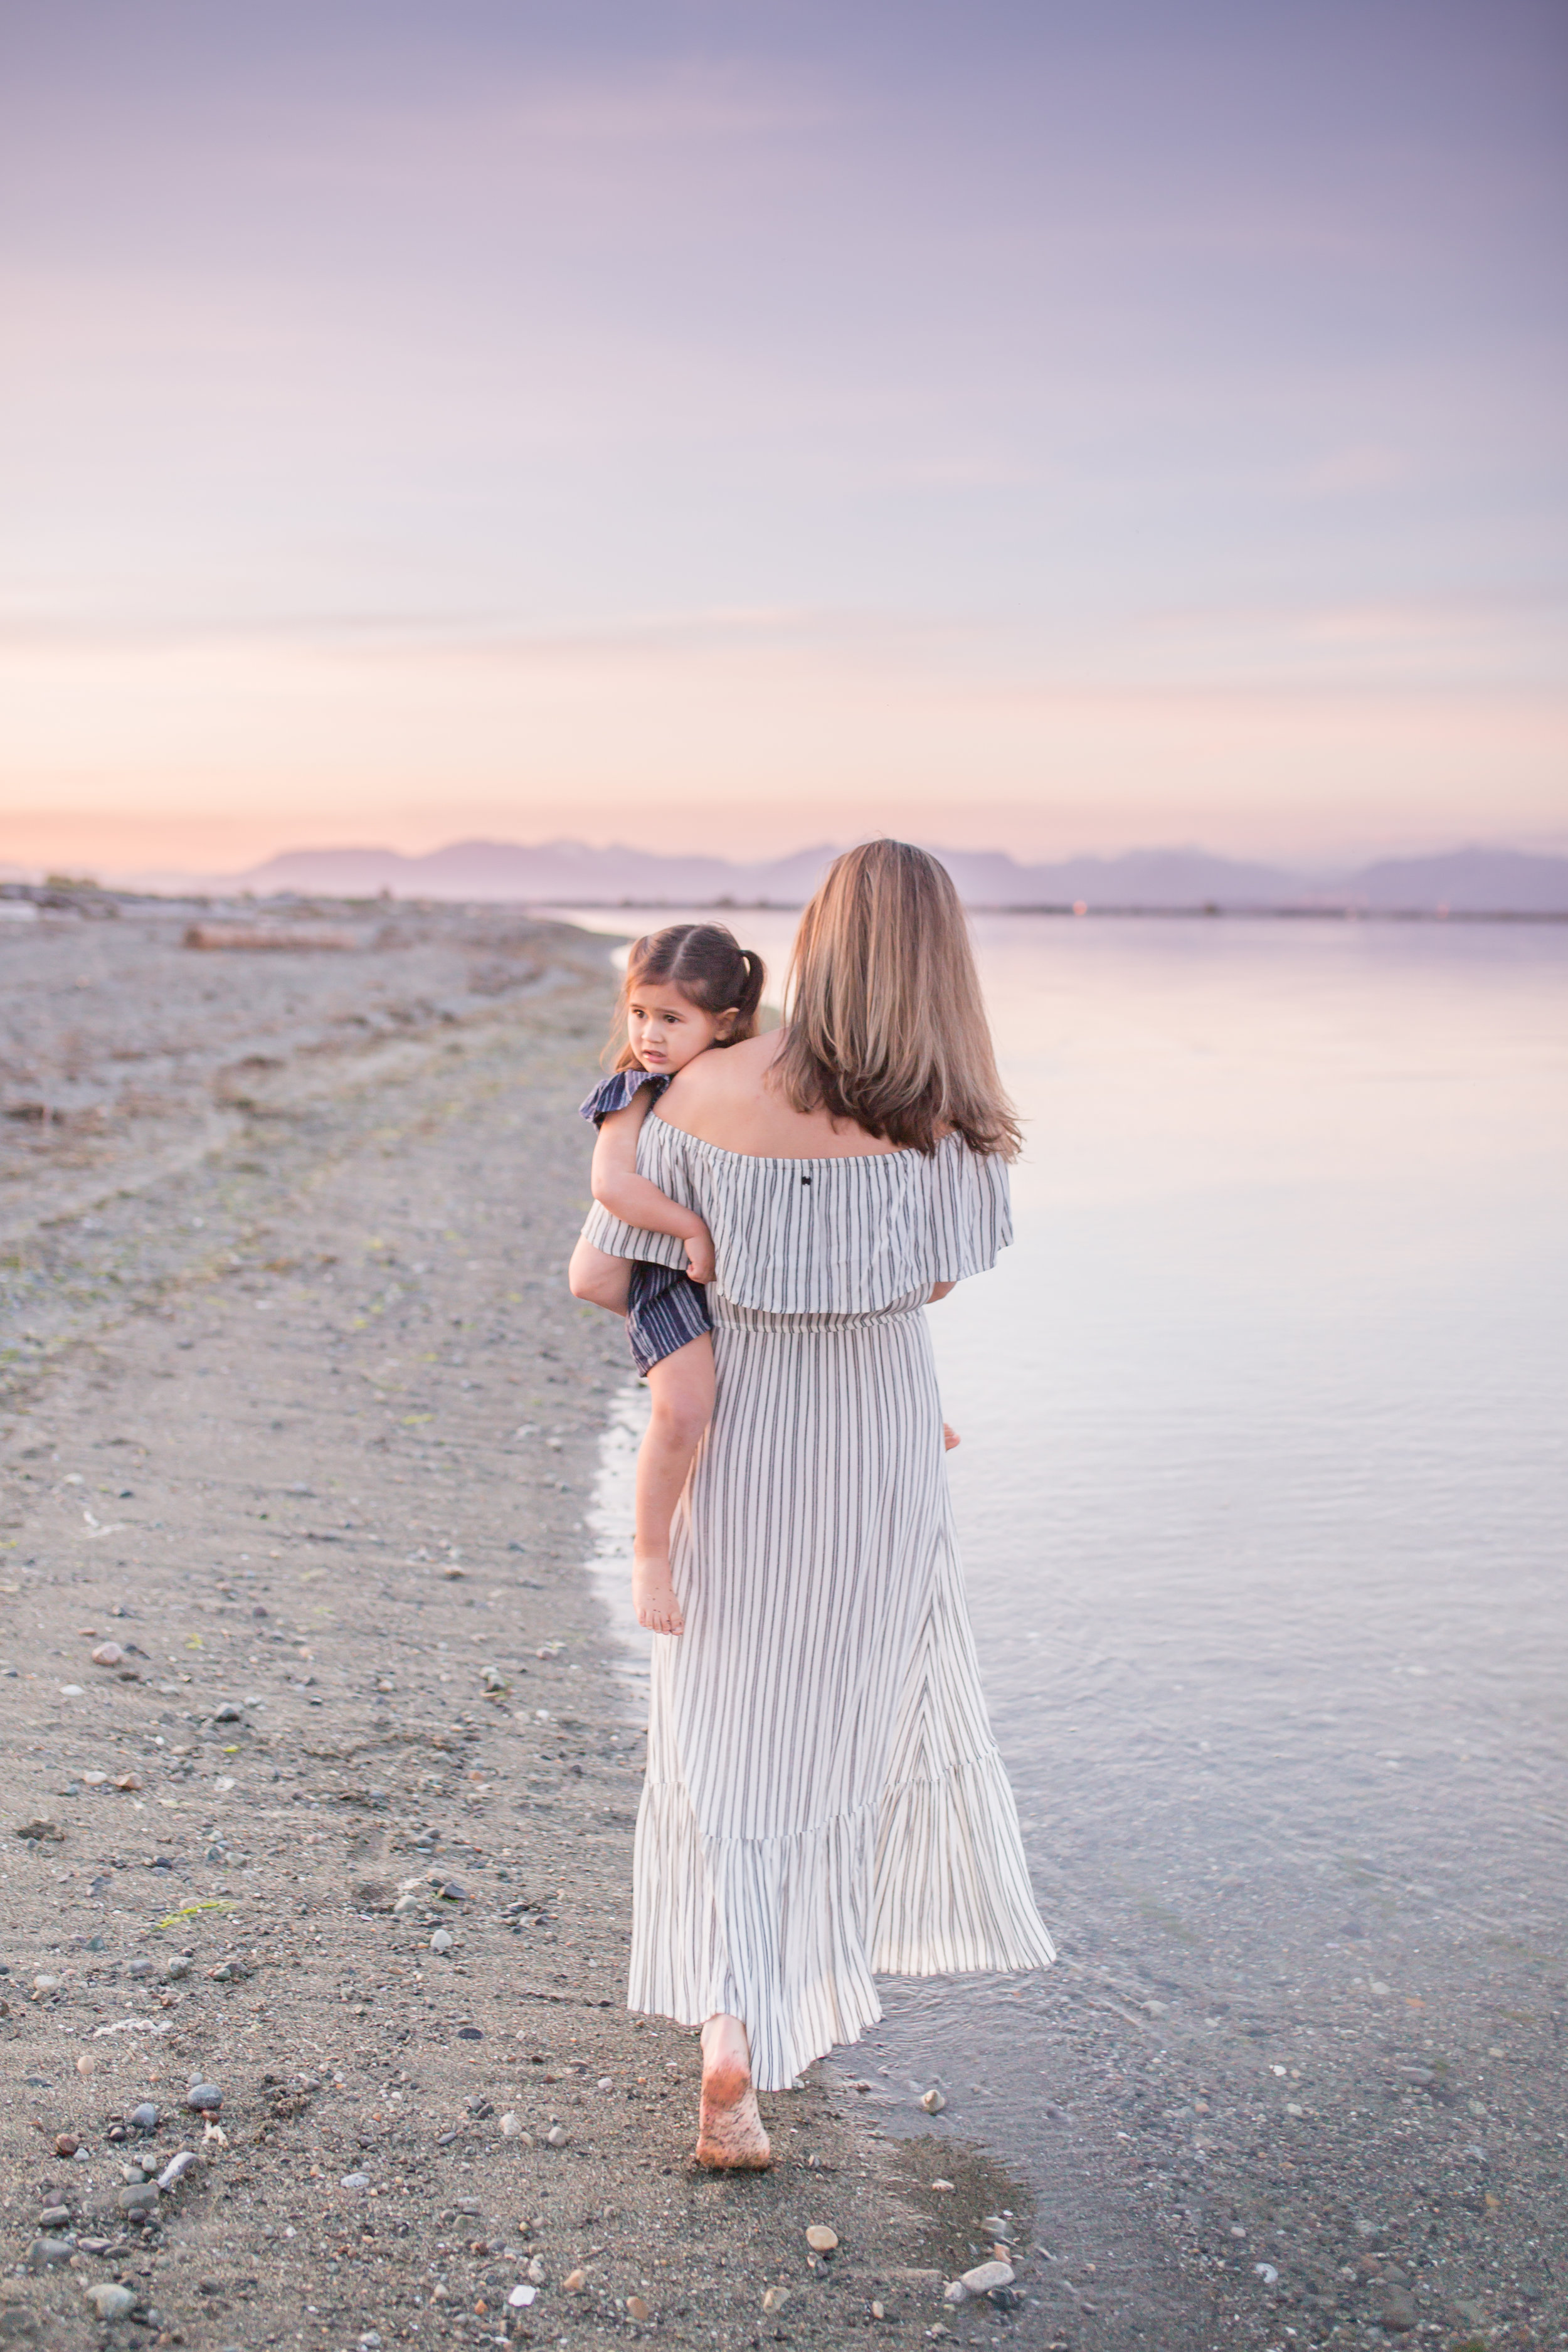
(1043, 423)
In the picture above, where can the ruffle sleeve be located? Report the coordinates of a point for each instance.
(822, 1236)
(613, 1093)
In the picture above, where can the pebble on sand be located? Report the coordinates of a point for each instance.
(511, 2126)
(108, 1654)
(820, 2239)
(204, 2099)
(637, 2309)
(66, 2143)
(177, 2168)
(574, 2282)
(775, 2298)
(109, 2301)
(556, 2136)
(440, 1941)
(986, 2275)
(521, 2296)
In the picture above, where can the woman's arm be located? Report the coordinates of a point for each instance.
(617, 1187)
(939, 1290)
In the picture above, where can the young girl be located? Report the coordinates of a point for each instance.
(687, 989)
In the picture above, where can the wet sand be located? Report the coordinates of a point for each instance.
(300, 1418)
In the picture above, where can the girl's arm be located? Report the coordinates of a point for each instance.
(616, 1186)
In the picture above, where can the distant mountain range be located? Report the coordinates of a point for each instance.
(1473, 881)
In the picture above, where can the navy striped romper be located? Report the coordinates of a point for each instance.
(665, 1308)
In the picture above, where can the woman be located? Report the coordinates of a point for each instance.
(823, 1799)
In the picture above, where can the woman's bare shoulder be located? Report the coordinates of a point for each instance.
(725, 1074)
(724, 1098)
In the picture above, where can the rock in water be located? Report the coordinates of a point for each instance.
(932, 2102)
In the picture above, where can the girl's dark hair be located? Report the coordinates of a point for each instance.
(705, 964)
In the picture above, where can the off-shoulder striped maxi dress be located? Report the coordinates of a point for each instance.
(825, 1803)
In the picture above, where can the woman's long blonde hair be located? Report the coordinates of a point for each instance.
(884, 1021)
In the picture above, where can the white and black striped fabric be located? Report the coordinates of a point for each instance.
(666, 1310)
(824, 1801)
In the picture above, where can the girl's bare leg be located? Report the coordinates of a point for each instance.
(681, 1388)
(732, 2138)
(598, 1277)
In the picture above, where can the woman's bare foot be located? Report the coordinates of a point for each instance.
(950, 1437)
(732, 2138)
(653, 1594)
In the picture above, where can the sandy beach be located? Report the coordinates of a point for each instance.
(322, 1788)
(322, 1776)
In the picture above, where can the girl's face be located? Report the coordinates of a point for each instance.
(666, 1029)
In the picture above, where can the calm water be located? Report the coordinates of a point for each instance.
(1262, 1495)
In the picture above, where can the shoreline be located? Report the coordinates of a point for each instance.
(262, 1434)
(91, 902)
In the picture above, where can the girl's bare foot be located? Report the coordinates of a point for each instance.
(653, 1594)
(732, 2138)
(950, 1437)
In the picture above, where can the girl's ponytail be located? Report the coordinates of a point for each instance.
(749, 1003)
